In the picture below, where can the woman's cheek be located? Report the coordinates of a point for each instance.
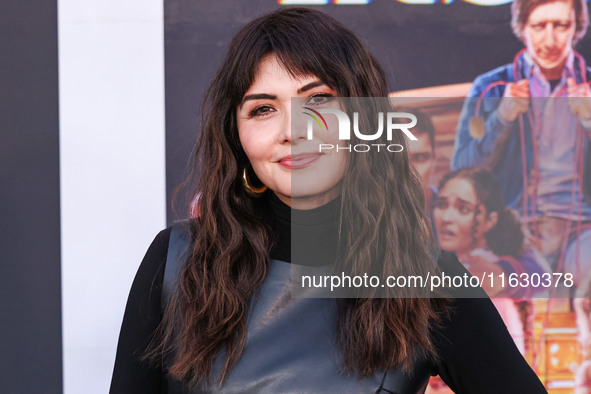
(260, 163)
(437, 213)
(465, 232)
(256, 142)
(437, 218)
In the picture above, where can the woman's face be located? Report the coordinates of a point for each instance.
(282, 157)
(456, 211)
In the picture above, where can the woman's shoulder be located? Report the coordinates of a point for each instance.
(155, 256)
(453, 278)
(475, 352)
(160, 243)
(165, 255)
(147, 284)
(178, 235)
(143, 312)
(449, 261)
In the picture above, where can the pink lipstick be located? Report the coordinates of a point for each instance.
(297, 162)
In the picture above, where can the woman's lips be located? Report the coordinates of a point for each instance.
(445, 234)
(296, 162)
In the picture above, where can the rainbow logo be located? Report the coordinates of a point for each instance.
(315, 118)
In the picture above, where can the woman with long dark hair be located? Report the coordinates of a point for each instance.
(226, 321)
(471, 221)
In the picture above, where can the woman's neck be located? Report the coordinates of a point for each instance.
(464, 253)
(304, 237)
(308, 202)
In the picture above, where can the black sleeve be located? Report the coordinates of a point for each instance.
(142, 317)
(476, 352)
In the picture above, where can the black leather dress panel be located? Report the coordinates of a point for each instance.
(291, 346)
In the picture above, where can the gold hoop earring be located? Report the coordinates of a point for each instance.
(250, 189)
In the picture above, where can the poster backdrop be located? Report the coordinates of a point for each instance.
(419, 45)
(428, 48)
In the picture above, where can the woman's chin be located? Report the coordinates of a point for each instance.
(447, 244)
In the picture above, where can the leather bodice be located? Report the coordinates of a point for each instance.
(290, 344)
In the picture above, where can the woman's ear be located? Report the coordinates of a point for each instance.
(491, 220)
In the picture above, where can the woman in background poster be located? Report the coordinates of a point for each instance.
(230, 324)
(487, 237)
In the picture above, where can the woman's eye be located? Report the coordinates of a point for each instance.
(441, 204)
(320, 99)
(464, 209)
(419, 158)
(261, 111)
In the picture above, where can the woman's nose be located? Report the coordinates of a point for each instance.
(295, 124)
(447, 214)
(285, 127)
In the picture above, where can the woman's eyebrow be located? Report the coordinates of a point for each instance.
(266, 96)
(467, 202)
(309, 86)
(458, 199)
(258, 96)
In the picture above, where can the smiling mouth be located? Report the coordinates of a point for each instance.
(296, 162)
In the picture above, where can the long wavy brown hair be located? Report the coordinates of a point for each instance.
(231, 243)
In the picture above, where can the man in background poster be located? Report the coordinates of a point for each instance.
(530, 123)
